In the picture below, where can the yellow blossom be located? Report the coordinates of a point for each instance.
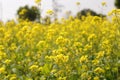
(41, 44)
(100, 54)
(61, 58)
(99, 70)
(1, 47)
(13, 46)
(13, 78)
(33, 67)
(40, 68)
(95, 62)
(27, 54)
(84, 67)
(62, 78)
(2, 55)
(84, 75)
(2, 70)
(96, 78)
(23, 11)
(91, 37)
(77, 3)
(62, 41)
(84, 59)
(103, 3)
(7, 61)
(50, 12)
(37, 1)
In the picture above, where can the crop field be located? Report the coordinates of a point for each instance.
(73, 49)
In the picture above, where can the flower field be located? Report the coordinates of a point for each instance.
(86, 49)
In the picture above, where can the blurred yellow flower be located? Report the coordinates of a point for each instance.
(22, 12)
(40, 68)
(41, 44)
(95, 62)
(114, 12)
(103, 3)
(1, 47)
(96, 78)
(84, 67)
(13, 78)
(62, 78)
(84, 59)
(50, 12)
(100, 54)
(7, 61)
(99, 70)
(91, 37)
(2, 55)
(2, 70)
(27, 54)
(13, 46)
(77, 3)
(37, 1)
(84, 75)
(61, 58)
(33, 67)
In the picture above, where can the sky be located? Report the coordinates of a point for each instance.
(8, 8)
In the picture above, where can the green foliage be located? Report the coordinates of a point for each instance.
(29, 13)
(117, 3)
(86, 12)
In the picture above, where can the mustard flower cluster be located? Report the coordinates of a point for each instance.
(86, 49)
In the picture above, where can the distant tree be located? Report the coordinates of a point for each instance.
(29, 13)
(117, 3)
(85, 12)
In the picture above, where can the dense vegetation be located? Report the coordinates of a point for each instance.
(29, 13)
(75, 49)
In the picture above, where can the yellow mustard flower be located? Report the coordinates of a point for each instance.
(91, 37)
(84, 75)
(62, 78)
(1, 47)
(77, 3)
(22, 12)
(33, 67)
(99, 70)
(13, 78)
(37, 1)
(84, 59)
(61, 58)
(50, 12)
(100, 54)
(95, 62)
(103, 3)
(96, 78)
(2, 70)
(7, 61)
(2, 55)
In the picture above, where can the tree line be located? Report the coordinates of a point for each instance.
(33, 13)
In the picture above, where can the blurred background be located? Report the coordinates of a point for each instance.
(8, 8)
